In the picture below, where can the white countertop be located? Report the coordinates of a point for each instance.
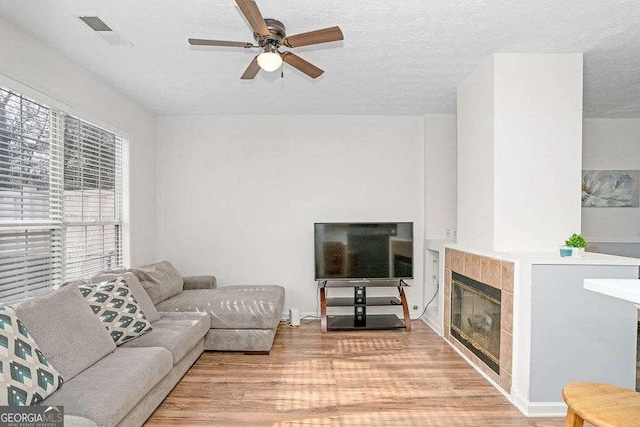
(589, 258)
(626, 289)
(547, 257)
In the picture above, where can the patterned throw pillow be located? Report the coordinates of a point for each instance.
(113, 302)
(27, 377)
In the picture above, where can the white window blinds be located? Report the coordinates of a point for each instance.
(60, 197)
(92, 198)
(30, 196)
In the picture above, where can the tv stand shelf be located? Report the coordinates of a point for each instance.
(371, 301)
(377, 321)
(360, 320)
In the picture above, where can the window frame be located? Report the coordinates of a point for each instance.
(56, 224)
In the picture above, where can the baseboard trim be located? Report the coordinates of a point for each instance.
(285, 316)
(493, 383)
(539, 409)
(430, 323)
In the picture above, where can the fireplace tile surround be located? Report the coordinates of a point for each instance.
(494, 273)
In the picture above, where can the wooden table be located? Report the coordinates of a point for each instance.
(602, 405)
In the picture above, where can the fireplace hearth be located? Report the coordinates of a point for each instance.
(475, 318)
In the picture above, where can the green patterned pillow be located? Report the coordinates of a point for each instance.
(113, 302)
(26, 374)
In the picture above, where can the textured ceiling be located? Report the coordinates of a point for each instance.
(399, 58)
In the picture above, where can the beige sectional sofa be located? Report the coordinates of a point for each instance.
(105, 385)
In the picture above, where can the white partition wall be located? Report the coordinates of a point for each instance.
(538, 150)
(476, 158)
(519, 152)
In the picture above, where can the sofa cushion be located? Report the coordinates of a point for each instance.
(146, 305)
(199, 282)
(161, 280)
(26, 376)
(177, 332)
(141, 296)
(232, 307)
(107, 391)
(113, 302)
(239, 339)
(66, 330)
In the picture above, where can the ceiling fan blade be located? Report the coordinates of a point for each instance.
(250, 11)
(306, 67)
(325, 35)
(252, 70)
(205, 42)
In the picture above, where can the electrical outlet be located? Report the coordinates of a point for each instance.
(454, 233)
(448, 233)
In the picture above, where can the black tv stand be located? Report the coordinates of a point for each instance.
(360, 301)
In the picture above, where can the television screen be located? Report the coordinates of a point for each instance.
(353, 251)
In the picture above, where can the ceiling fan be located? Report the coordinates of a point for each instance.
(270, 35)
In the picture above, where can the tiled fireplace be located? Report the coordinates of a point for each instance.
(478, 312)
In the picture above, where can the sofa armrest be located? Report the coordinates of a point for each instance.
(199, 282)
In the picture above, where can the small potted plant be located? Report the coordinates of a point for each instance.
(577, 243)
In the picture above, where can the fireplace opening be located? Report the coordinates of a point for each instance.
(475, 318)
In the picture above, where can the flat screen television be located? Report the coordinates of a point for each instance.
(359, 251)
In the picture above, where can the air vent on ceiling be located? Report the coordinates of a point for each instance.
(104, 31)
(95, 23)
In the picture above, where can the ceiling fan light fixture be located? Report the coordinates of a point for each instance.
(269, 61)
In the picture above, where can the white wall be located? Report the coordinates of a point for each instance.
(238, 196)
(519, 152)
(538, 147)
(440, 174)
(475, 197)
(27, 60)
(612, 144)
(440, 179)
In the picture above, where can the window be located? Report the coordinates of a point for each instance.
(30, 205)
(92, 198)
(60, 197)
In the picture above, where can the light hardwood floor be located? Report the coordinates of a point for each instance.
(364, 378)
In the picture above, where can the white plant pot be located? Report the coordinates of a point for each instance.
(577, 252)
